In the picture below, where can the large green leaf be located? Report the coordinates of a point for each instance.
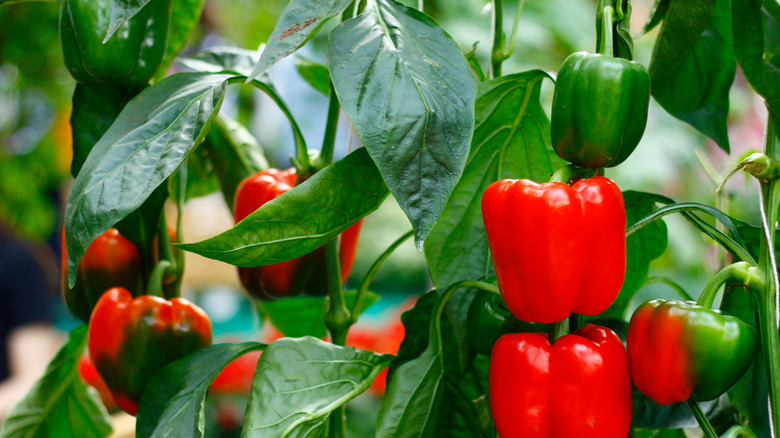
(642, 247)
(151, 137)
(299, 21)
(299, 382)
(303, 218)
(693, 65)
(121, 12)
(60, 404)
(297, 317)
(410, 95)
(756, 28)
(173, 401)
(419, 396)
(511, 140)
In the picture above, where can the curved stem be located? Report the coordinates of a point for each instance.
(740, 272)
(739, 431)
(363, 289)
(669, 282)
(497, 55)
(155, 287)
(709, 432)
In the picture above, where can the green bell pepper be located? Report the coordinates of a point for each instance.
(130, 57)
(599, 109)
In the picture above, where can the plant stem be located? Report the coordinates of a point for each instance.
(570, 173)
(515, 25)
(154, 287)
(559, 329)
(740, 272)
(338, 319)
(709, 432)
(363, 289)
(331, 126)
(605, 43)
(768, 298)
(497, 55)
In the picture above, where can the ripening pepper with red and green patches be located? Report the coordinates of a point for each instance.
(131, 339)
(304, 275)
(681, 351)
(110, 261)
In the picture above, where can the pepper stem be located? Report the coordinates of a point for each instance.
(741, 272)
(604, 45)
(570, 173)
(560, 329)
(155, 287)
(709, 432)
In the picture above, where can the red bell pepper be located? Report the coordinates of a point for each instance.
(110, 261)
(305, 274)
(131, 339)
(578, 387)
(557, 249)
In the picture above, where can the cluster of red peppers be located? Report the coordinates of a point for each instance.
(559, 248)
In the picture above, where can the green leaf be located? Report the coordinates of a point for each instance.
(410, 95)
(299, 21)
(95, 107)
(642, 247)
(121, 12)
(419, 399)
(298, 382)
(235, 154)
(511, 140)
(60, 404)
(147, 142)
(693, 65)
(305, 316)
(303, 218)
(222, 60)
(173, 401)
(756, 28)
(185, 15)
(656, 16)
(314, 74)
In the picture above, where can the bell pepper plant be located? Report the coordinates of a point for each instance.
(519, 230)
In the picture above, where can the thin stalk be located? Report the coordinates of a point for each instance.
(331, 126)
(677, 288)
(709, 432)
(338, 319)
(498, 54)
(768, 298)
(513, 37)
(363, 289)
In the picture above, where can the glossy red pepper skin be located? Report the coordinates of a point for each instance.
(304, 275)
(680, 351)
(557, 249)
(131, 339)
(578, 387)
(110, 261)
